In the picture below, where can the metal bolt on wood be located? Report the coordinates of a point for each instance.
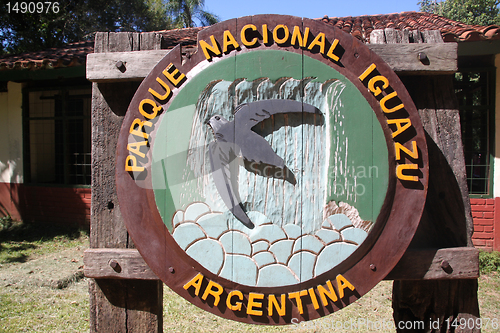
(121, 66)
(115, 265)
(422, 56)
(445, 265)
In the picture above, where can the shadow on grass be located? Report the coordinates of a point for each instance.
(20, 237)
(19, 258)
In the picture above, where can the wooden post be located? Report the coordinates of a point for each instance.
(116, 305)
(446, 221)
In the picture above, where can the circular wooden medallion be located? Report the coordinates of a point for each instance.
(276, 175)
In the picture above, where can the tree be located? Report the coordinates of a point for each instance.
(475, 12)
(185, 12)
(29, 29)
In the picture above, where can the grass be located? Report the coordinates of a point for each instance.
(41, 282)
(42, 290)
(181, 316)
(20, 241)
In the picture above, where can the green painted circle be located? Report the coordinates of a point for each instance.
(339, 161)
(360, 179)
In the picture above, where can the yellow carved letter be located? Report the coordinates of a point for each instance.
(252, 304)
(399, 129)
(286, 34)
(229, 40)
(314, 299)
(330, 293)
(376, 90)
(131, 164)
(401, 167)
(196, 283)
(139, 131)
(214, 48)
(367, 72)
(342, 283)
(330, 53)
(214, 292)
(320, 41)
(173, 75)
(244, 37)
(167, 93)
(136, 148)
(274, 303)
(399, 147)
(265, 34)
(388, 97)
(296, 36)
(155, 108)
(298, 300)
(237, 305)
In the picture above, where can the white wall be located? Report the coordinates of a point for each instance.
(11, 134)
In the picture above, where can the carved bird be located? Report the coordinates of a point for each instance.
(236, 138)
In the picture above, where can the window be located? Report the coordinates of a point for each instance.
(475, 93)
(57, 135)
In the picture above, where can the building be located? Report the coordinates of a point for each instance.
(45, 103)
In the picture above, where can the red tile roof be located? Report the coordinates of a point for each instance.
(171, 38)
(452, 31)
(74, 54)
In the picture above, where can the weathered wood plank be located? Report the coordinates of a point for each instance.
(414, 265)
(405, 36)
(393, 36)
(377, 37)
(442, 264)
(432, 36)
(103, 67)
(123, 41)
(116, 264)
(115, 305)
(440, 57)
(446, 219)
(150, 41)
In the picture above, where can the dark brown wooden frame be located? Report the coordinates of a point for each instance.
(370, 264)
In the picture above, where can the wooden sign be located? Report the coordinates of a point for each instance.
(276, 175)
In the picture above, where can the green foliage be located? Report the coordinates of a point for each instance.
(5, 222)
(475, 12)
(186, 12)
(77, 20)
(489, 262)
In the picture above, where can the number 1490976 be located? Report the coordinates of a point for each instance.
(33, 7)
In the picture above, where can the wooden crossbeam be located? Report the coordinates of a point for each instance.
(437, 264)
(429, 264)
(432, 58)
(122, 66)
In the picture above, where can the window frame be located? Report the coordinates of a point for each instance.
(490, 108)
(27, 174)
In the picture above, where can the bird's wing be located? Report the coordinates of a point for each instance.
(255, 148)
(225, 174)
(249, 115)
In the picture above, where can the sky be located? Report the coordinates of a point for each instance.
(226, 9)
